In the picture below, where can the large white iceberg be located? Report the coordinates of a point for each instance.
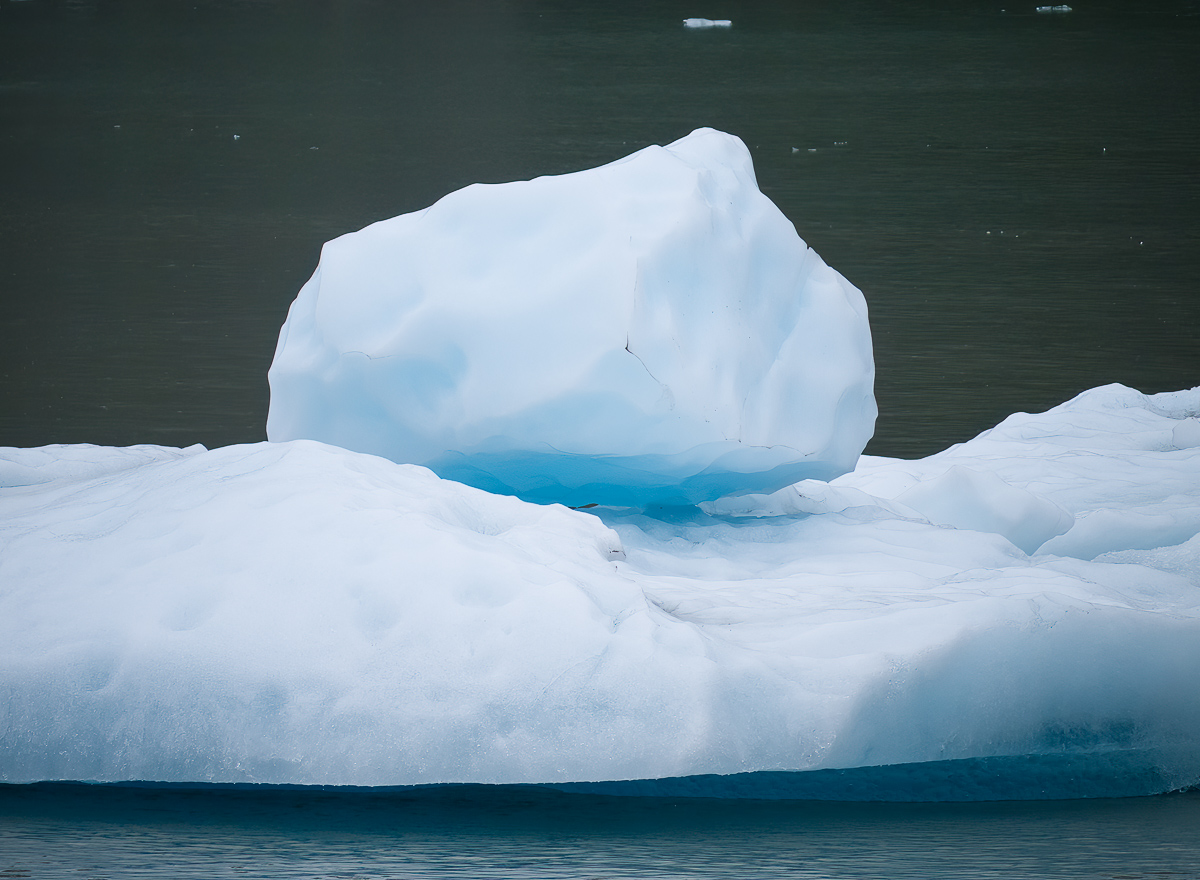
(299, 613)
(652, 331)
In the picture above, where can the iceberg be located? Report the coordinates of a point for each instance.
(394, 590)
(295, 612)
(649, 332)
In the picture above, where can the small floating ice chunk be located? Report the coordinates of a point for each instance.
(706, 22)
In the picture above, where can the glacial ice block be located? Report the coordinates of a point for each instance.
(652, 331)
(299, 613)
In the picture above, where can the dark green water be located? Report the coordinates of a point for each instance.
(1018, 195)
(55, 831)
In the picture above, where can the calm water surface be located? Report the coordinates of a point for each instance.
(103, 832)
(1018, 195)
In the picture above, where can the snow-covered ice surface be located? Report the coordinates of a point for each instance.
(649, 331)
(299, 613)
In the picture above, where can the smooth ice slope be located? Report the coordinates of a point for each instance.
(652, 331)
(299, 613)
